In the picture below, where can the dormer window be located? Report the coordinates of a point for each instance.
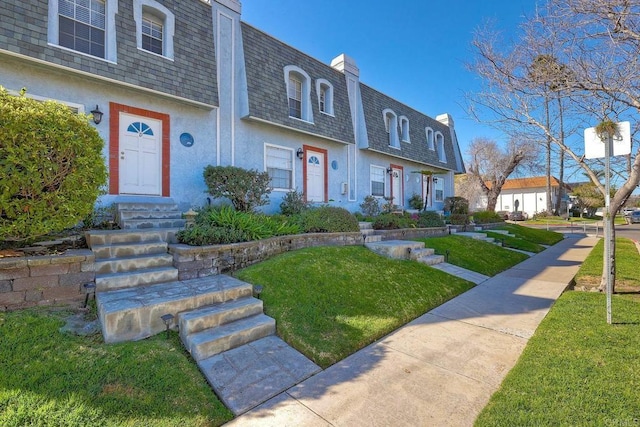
(298, 86)
(440, 147)
(152, 29)
(430, 144)
(391, 126)
(295, 97)
(404, 129)
(325, 96)
(155, 26)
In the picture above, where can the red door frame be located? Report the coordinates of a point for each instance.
(401, 184)
(304, 170)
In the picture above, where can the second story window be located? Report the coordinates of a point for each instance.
(295, 97)
(430, 144)
(152, 30)
(404, 129)
(81, 26)
(391, 126)
(325, 96)
(440, 148)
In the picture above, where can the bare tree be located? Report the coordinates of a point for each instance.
(491, 165)
(598, 44)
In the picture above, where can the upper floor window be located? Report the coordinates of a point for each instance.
(440, 147)
(279, 166)
(82, 26)
(155, 26)
(298, 93)
(391, 126)
(86, 26)
(430, 144)
(325, 96)
(295, 97)
(404, 128)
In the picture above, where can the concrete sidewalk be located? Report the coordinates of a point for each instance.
(440, 369)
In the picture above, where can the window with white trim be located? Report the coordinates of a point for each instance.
(298, 84)
(82, 26)
(438, 184)
(440, 147)
(430, 144)
(391, 126)
(377, 177)
(404, 128)
(155, 26)
(325, 96)
(278, 162)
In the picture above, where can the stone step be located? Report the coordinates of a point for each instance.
(365, 225)
(431, 259)
(421, 252)
(194, 321)
(139, 214)
(213, 341)
(124, 250)
(130, 279)
(143, 206)
(111, 237)
(134, 313)
(396, 249)
(124, 264)
(367, 231)
(373, 239)
(133, 224)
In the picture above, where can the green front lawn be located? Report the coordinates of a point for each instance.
(475, 255)
(52, 379)
(627, 262)
(576, 370)
(535, 235)
(329, 302)
(515, 242)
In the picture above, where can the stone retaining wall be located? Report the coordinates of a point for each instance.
(45, 280)
(412, 233)
(201, 261)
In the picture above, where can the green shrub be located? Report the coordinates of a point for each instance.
(293, 203)
(458, 219)
(486, 217)
(328, 219)
(246, 189)
(202, 235)
(51, 167)
(429, 219)
(370, 206)
(389, 221)
(416, 202)
(456, 205)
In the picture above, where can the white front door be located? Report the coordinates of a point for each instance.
(396, 187)
(140, 155)
(315, 175)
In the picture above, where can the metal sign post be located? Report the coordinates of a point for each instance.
(605, 145)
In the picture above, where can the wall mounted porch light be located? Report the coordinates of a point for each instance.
(389, 170)
(299, 153)
(97, 115)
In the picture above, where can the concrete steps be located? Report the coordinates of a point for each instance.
(367, 231)
(131, 279)
(148, 215)
(137, 262)
(134, 313)
(404, 249)
(477, 236)
(212, 341)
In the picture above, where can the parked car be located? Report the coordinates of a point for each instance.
(628, 211)
(517, 216)
(503, 214)
(635, 217)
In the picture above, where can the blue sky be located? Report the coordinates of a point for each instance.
(414, 51)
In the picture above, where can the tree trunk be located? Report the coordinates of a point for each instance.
(612, 253)
(561, 166)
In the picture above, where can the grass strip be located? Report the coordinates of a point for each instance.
(329, 302)
(475, 255)
(515, 242)
(627, 262)
(576, 369)
(55, 379)
(535, 235)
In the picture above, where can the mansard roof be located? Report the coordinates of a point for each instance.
(265, 61)
(374, 103)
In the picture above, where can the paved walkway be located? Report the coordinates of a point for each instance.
(442, 368)
(454, 270)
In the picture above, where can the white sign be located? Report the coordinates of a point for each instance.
(594, 147)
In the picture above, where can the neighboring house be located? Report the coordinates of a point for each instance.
(185, 84)
(529, 195)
